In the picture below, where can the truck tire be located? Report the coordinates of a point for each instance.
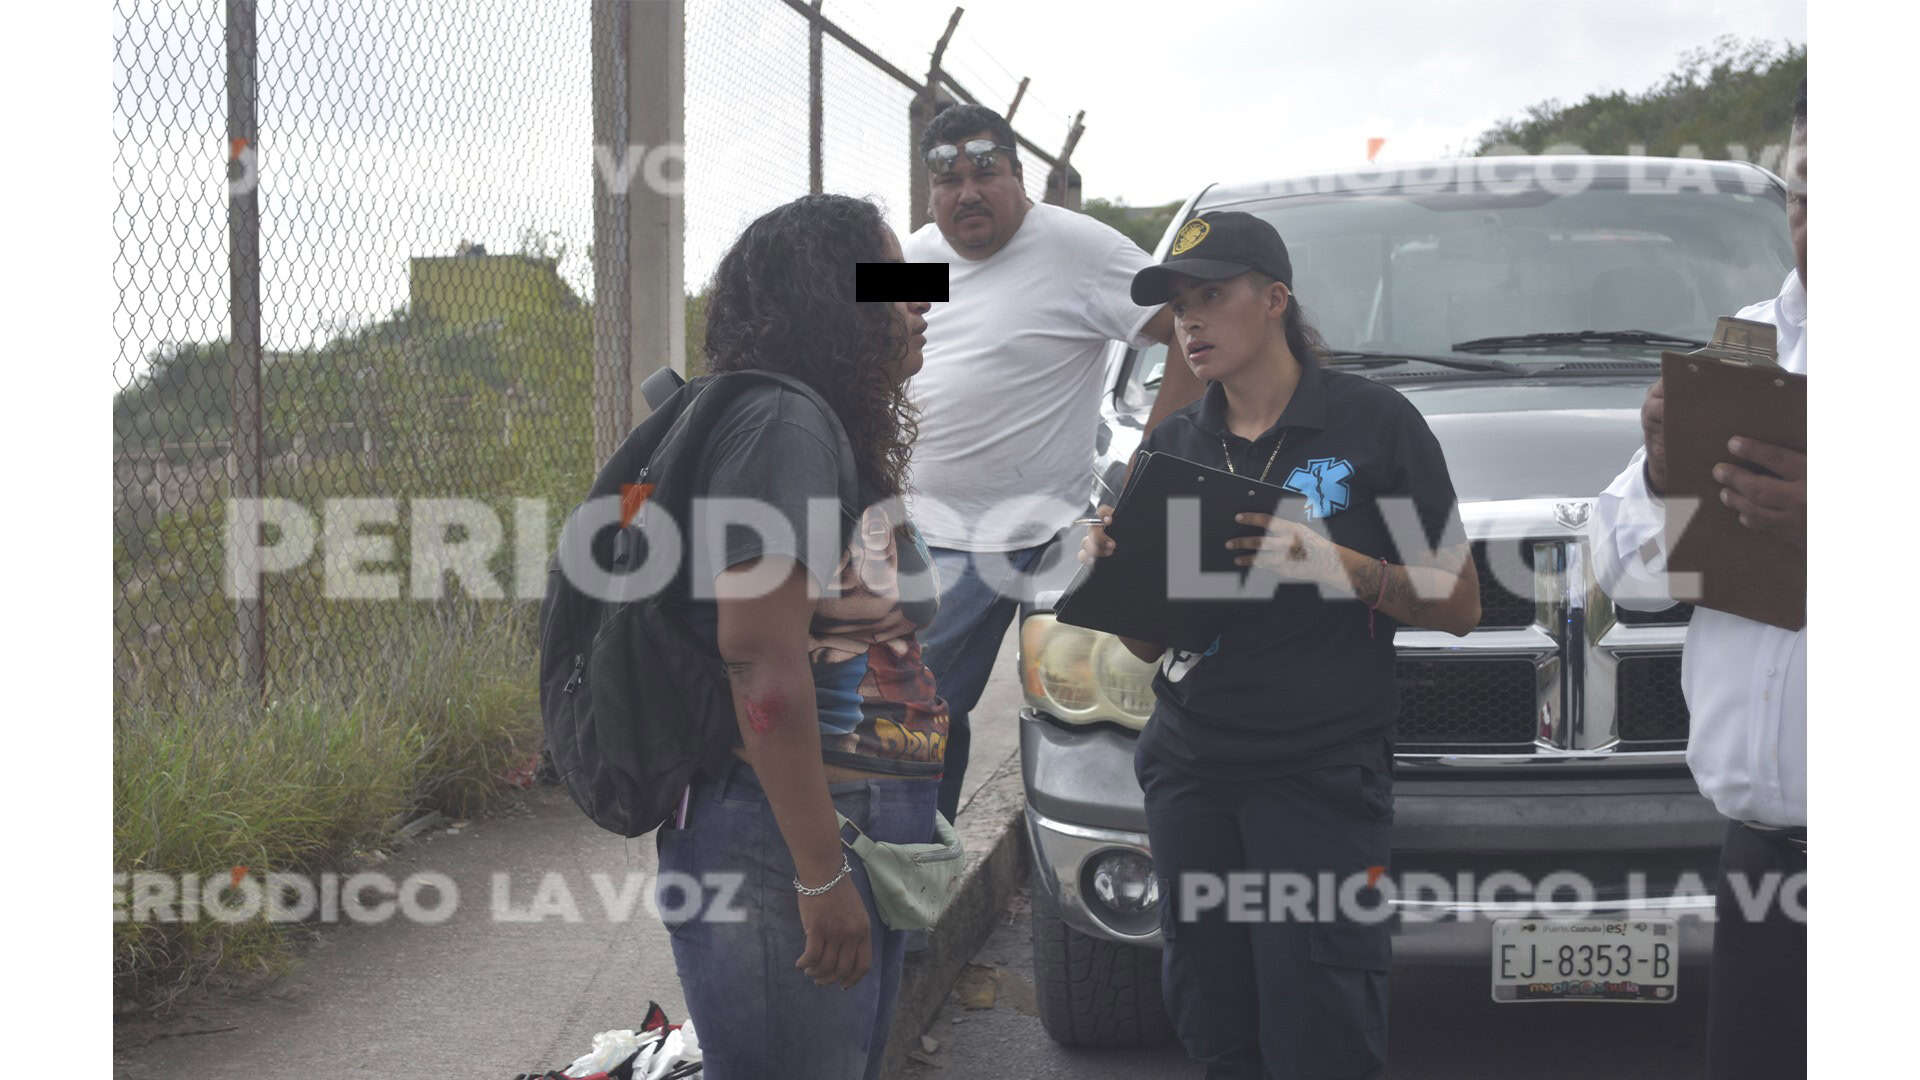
(1094, 992)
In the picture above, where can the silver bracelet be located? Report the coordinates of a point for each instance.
(846, 868)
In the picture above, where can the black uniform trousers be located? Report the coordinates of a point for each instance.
(1757, 989)
(1280, 997)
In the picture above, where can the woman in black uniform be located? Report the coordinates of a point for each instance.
(1268, 759)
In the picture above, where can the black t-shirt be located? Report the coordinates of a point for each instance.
(878, 706)
(1300, 681)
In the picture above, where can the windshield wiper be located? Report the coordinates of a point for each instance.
(1575, 337)
(1359, 358)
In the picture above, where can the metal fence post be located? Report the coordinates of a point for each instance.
(244, 461)
(1062, 182)
(920, 113)
(816, 108)
(1018, 93)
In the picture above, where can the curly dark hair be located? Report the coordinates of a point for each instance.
(782, 300)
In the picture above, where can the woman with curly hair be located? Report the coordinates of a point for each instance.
(835, 709)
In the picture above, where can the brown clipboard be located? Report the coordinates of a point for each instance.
(1730, 388)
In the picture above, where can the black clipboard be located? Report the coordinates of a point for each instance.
(1126, 592)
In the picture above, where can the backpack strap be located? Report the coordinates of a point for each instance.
(695, 410)
(710, 396)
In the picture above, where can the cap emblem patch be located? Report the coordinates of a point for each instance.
(1190, 234)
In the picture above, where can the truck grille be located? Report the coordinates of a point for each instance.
(1501, 608)
(1553, 668)
(1454, 703)
(1677, 615)
(1651, 706)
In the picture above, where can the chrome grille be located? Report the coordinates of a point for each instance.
(1677, 615)
(1651, 707)
(1561, 675)
(1483, 705)
(1499, 605)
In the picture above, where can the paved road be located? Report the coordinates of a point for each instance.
(1443, 1028)
(473, 997)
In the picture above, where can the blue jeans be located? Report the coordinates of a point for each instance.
(961, 645)
(756, 1014)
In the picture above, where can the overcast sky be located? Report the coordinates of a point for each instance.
(397, 128)
(1179, 94)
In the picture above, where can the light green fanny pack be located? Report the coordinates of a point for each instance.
(910, 881)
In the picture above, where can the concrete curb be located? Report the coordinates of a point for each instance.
(992, 827)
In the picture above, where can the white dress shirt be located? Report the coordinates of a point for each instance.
(1745, 681)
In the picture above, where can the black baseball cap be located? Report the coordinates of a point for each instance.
(1214, 247)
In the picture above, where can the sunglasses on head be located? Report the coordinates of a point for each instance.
(941, 159)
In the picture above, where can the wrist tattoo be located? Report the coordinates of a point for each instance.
(1396, 590)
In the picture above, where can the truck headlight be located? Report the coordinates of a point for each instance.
(1081, 676)
(1123, 881)
(1121, 891)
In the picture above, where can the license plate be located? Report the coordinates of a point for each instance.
(1586, 960)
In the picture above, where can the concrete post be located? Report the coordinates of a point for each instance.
(639, 65)
(1066, 193)
(656, 220)
(920, 112)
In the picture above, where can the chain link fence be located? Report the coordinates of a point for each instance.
(747, 113)
(424, 212)
(423, 334)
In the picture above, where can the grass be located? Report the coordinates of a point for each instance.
(377, 711)
(206, 780)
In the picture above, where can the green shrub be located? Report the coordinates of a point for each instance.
(207, 780)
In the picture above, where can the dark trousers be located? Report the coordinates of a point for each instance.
(1757, 990)
(1279, 997)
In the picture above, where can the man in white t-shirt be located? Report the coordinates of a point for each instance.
(1009, 397)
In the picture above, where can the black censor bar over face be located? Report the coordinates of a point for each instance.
(900, 281)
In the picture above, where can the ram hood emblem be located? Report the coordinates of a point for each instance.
(1573, 514)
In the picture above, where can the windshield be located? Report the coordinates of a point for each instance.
(1417, 271)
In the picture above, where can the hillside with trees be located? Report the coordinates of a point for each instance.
(1144, 225)
(1730, 100)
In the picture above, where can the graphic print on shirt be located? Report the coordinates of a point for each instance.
(1324, 483)
(863, 646)
(1179, 662)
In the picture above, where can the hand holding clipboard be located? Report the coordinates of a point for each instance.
(1127, 592)
(1733, 389)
